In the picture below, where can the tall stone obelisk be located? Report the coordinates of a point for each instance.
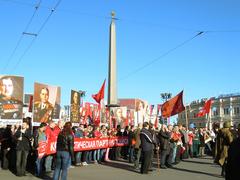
(112, 66)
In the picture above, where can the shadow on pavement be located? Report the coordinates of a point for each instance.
(205, 157)
(198, 162)
(197, 172)
(121, 165)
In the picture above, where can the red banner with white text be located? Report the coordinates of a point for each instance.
(83, 144)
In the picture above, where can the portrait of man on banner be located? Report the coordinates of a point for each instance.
(120, 115)
(11, 96)
(140, 114)
(46, 103)
(75, 107)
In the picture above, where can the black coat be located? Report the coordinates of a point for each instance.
(146, 140)
(25, 143)
(164, 139)
(233, 161)
(66, 143)
(6, 138)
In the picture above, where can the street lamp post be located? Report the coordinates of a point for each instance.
(165, 97)
(82, 93)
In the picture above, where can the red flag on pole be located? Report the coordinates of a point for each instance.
(156, 120)
(151, 109)
(158, 108)
(206, 108)
(173, 106)
(30, 104)
(127, 120)
(100, 95)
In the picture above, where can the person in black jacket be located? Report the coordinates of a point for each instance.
(233, 160)
(6, 145)
(118, 149)
(23, 146)
(147, 147)
(164, 138)
(65, 145)
(155, 144)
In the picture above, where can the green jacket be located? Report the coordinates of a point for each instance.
(224, 139)
(136, 136)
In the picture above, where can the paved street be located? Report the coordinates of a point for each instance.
(197, 169)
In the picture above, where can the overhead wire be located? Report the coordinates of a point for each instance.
(165, 26)
(38, 32)
(127, 20)
(161, 56)
(21, 37)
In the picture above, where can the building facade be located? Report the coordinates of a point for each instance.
(224, 108)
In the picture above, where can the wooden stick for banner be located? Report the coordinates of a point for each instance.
(158, 158)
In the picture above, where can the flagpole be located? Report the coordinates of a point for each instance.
(186, 118)
(210, 119)
(100, 114)
(209, 123)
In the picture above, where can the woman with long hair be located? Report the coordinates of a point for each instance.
(65, 145)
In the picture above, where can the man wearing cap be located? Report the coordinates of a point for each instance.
(43, 109)
(10, 105)
(224, 139)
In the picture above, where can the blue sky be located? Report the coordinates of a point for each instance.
(71, 50)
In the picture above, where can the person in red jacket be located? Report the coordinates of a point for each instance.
(191, 136)
(96, 153)
(58, 128)
(51, 137)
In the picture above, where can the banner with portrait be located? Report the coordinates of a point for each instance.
(120, 116)
(141, 113)
(75, 107)
(90, 114)
(11, 99)
(130, 117)
(46, 103)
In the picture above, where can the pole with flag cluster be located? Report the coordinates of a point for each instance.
(186, 115)
(99, 98)
(205, 111)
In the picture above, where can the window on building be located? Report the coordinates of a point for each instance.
(194, 115)
(215, 111)
(236, 111)
(226, 111)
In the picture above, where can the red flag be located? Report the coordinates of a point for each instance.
(151, 110)
(127, 119)
(30, 104)
(158, 108)
(156, 120)
(100, 95)
(206, 108)
(173, 106)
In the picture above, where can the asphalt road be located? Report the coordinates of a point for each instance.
(191, 169)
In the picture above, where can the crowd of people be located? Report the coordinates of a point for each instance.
(170, 144)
